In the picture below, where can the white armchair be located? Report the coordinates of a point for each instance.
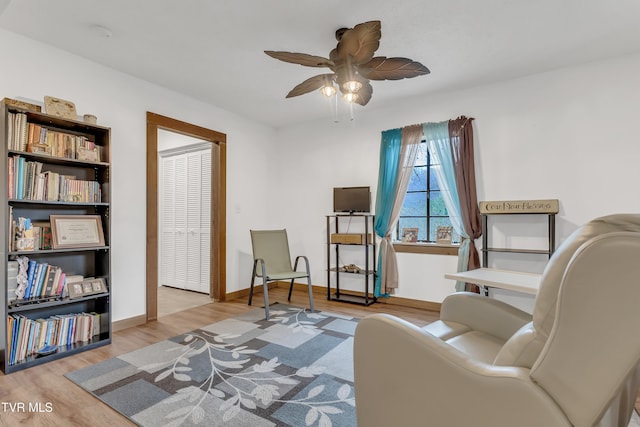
(574, 362)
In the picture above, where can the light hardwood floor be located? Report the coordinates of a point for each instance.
(172, 300)
(72, 406)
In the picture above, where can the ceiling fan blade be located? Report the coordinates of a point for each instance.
(301, 58)
(309, 85)
(359, 42)
(383, 68)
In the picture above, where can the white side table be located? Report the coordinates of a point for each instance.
(528, 283)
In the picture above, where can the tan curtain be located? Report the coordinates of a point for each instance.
(461, 139)
(411, 136)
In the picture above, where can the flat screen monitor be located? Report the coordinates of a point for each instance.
(351, 199)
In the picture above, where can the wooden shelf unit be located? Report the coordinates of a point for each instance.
(89, 261)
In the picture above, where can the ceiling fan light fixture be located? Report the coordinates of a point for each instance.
(328, 90)
(350, 97)
(352, 86)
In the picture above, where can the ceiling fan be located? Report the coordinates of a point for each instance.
(352, 64)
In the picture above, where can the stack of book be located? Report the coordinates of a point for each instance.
(27, 336)
(34, 138)
(27, 181)
(17, 131)
(43, 281)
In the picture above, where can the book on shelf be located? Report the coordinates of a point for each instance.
(11, 235)
(10, 332)
(42, 234)
(53, 274)
(23, 127)
(12, 280)
(15, 327)
(43, 280)
(30, 182)
(10, 131)
(19, 177)
(26, 335)
(17, 132)
(30, 278)
(38, 139)
(10, 175)
(41, 270)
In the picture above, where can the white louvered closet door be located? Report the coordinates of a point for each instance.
(167, 223)
(180, 209)
(205, 223)
(194, 196)
(186, 222)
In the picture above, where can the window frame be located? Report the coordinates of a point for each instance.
(428, 247)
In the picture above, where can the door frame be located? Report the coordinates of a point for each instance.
(218, 140)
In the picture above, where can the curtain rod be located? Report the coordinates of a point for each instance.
(423, 123)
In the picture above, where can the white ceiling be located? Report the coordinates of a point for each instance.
(213, 50)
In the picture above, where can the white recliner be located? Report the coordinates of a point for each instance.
(574, 362)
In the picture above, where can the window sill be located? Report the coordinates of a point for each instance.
(426, 248)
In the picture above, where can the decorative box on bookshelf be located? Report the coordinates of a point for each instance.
(56, 297)
(351, 238)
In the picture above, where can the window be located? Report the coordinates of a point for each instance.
(424, 209)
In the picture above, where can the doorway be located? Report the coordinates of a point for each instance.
(217, 258)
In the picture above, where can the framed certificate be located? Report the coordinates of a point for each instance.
(76, 231)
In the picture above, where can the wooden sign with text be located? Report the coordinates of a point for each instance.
(519, 206)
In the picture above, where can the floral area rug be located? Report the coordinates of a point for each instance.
(295, 369)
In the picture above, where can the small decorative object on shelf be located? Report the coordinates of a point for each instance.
(90, 118)
(76, 290)
(22, 104)
(546, 206)
(409, 235)
(496, 209)
(58, 220)
(60, 108)
(47, 350)
(443, 234)
(89, 286)
(351, 268)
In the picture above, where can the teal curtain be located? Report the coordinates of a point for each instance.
(437, 137)
(398, 151)
(390, 148)
(390, 152)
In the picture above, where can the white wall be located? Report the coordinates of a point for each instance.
(567, 134)
(168, 140)
(32, 70)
